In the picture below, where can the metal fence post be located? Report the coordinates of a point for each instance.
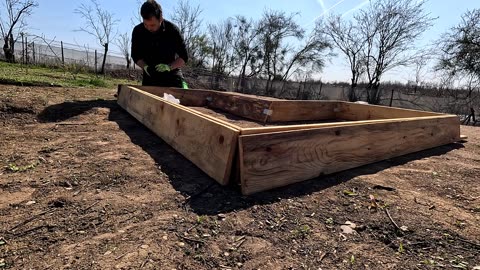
(95, 61)
(26, 50)
(23, 48)
(33, 52)
(63, 56)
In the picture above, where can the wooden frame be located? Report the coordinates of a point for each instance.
(266, 157)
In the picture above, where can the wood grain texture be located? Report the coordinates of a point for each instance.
(192, 98)
(355, 112)
(246, 106)
(240, 105)
(290, 110)
(271, 129)
(278, 159)
(208, 144)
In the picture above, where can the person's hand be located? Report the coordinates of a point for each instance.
(145, 68)
(162, 68)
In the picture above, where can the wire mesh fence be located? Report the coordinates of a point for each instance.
(32, 49)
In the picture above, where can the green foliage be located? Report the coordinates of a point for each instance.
(302, 231)
(201, 219)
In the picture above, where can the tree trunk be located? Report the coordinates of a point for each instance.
(8, 49)
(267, 86)
(352, 96)
(373, 94)
(129, 60)
(104, 58)
(241, 78)
(472, 111)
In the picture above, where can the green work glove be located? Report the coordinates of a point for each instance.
(162, 68)
(184, 85)
(145, 68)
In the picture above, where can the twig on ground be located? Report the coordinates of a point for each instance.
(71, 124)
(33, 229)
(189, 198)
(91, 206)
(31, 219)
(322, 257)
(193, 227)
(391, 219)
(145, 262)
(190, 239)
(469, 242)
(121, 256)
(237, 246)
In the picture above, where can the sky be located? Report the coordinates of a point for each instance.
(56, 19)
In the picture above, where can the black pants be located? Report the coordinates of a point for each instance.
(164, 79)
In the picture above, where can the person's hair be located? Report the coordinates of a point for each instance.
(151, 9)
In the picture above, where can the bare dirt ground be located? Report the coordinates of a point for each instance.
(85, 186)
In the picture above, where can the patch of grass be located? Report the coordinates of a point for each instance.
(302, 231)
(96, 82)
(428, 262)
(329, 221)
(14, 168)
(31, 75)
(350, 193)
(460, 224)
(201, 219)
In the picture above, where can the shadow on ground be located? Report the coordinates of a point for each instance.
(202, 194)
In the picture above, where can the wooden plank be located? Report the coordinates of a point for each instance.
(259, 130)
(302, 110)
(354, 112)
(247, 106)
(187, 97)
(208, 144)
(159, 93)
(278, 159)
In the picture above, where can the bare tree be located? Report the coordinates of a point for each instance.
(310, 55)
(137, 17)
(390, 28)
(459, 59)
(98, 23)
(201, 51)
(187, 18)
(16, 11)
(461, 46)
(420, 63)
(223, 58)
(348, 39)
(220, 36)
(303, 61)
(124, 43)
(246, 47)
(48, 44)
(276, 27)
